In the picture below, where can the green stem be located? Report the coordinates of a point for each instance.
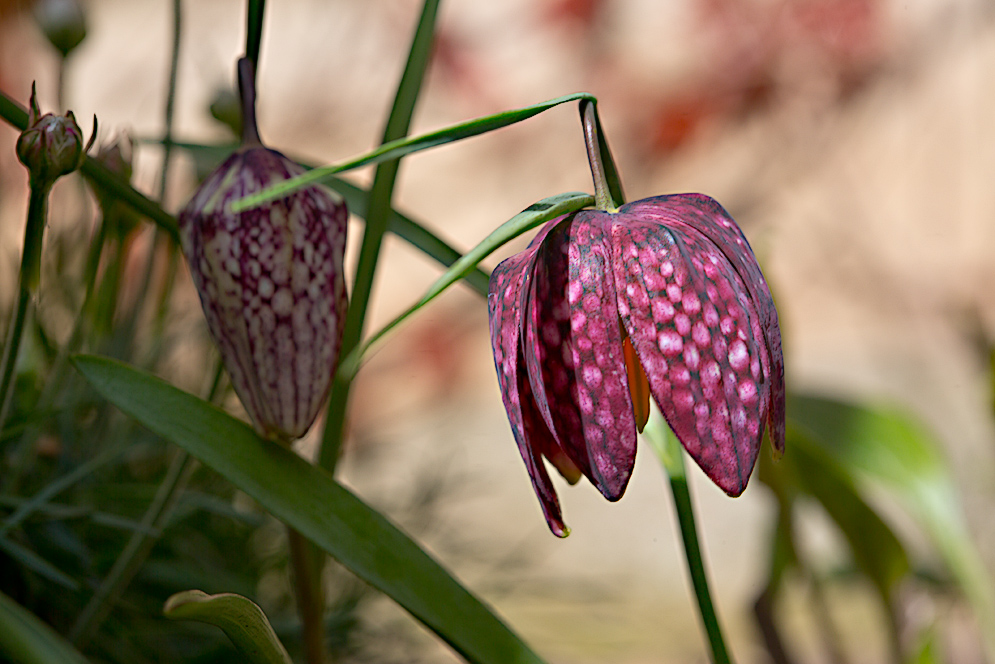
(174, 65)
(377, 215)
(608, 194)
(671, 455)
(135, 551)
(27, 283)
(140, 545)
(254, 31)
(305, 562)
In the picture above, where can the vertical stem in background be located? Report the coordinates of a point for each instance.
(671, 455)
(167, 134)
(160, 238)
(376, 214)
(254, 31)
(27, 283)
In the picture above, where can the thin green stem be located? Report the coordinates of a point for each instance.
(167, 134)
(254, 31)
(54, 383)
(28, 278)
(135, 551)
(140, 545)
(608, 195)
(377, 215)
(305, 562)
(671, 455)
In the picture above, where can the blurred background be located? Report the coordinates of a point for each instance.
(853, 140)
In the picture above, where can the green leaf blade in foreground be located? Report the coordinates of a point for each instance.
(538, 213)
(309, 500)
(25, 639)
(406, 146)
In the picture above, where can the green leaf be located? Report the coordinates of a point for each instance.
(27, 640)
(406, 146)
(890, 448)
(411, 232)
(309, 500)
(406, 228)
(876, 550)
(239, 617)
(37, 564)
(532, 216)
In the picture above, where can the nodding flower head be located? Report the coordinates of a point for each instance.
(662, 297)
(271, 281)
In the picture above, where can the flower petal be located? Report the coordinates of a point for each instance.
(531, 433)
(691, 321)
(709, 218)
(573, 351)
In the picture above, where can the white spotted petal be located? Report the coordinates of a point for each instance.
(272, 287)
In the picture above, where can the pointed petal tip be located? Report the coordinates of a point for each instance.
(559, 529)
(613, 488)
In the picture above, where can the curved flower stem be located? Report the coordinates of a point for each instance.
(671, 455)
(27, 283)
(608, 194)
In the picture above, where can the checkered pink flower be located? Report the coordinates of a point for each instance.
(663, 297)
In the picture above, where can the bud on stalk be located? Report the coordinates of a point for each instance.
(270, 280)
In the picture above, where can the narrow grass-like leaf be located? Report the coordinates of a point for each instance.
(406, 146)
(356, 198)
(532, 216)
(37, 564)
(27, 640)
(411, 232)
(309, 500)
(239, 617)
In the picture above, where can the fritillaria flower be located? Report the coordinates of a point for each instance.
(270, 279)
(662, 297)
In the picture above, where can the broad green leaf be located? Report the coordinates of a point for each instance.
(532, 216)
(309, 500)
(239, 617)
(889, 447)
(876, 550)
(27, 640)
(406, 146)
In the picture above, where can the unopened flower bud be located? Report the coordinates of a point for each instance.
(52, 145)
(116, 156)
(270, 280)
(63, 23)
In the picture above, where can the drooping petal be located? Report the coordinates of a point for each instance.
(573, 352)
(531, 433)
(688, 314)
(709, 218)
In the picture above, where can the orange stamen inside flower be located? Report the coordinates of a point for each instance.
(639, 385)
